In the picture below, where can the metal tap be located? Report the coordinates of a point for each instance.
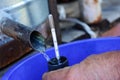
(21, 32)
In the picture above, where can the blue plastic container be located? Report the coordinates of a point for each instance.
(32, 68)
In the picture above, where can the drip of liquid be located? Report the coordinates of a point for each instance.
(46, 56)
(42, 51)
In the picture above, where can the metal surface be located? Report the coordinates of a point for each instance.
(17, 6)
(37, 41)
(23, 33)
(28, 12)
(14, 29)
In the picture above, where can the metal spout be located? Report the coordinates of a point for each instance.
(23, 33)
(37, 41)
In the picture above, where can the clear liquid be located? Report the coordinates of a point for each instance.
(46, 56)
(42, 51)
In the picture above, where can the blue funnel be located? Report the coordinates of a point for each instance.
(32, 68)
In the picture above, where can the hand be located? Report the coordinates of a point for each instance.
(96, 67)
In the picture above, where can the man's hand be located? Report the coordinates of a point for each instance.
(96, 67)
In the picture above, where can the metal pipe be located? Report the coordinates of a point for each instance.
(22, 33)
(84, 25)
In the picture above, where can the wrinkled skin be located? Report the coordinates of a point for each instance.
(96, 67)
